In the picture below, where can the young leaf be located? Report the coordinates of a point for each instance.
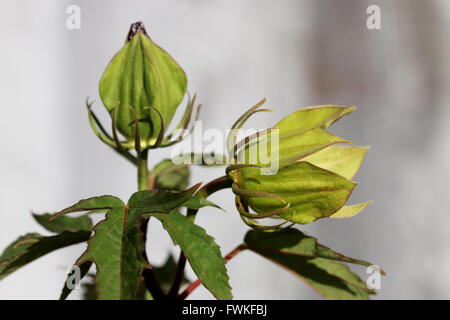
(142, 74)
(198, 202)
(61, 224)
(33, 246)
(150, 201)
(312, 262)
(170, 176)
(116, 247)
(200, 250)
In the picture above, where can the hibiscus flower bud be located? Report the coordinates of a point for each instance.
(141, 88)
(313, 180)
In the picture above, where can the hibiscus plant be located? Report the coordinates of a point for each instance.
(288, 175)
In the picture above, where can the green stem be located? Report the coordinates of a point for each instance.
(143, 184)
(224, 182)
(142, 163)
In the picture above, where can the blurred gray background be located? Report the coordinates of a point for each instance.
(295, 53)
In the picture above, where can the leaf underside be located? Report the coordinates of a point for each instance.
(315, 264)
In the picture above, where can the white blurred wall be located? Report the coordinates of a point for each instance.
(295, 53)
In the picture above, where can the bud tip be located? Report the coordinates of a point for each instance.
(135, 28)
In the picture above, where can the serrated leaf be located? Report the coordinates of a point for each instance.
(312, 192)
(170, 176)
(61, 224)
(343, 160)
(33, 246)
(142, 74)
(312, 262)
(350, 211)
(116, 248)
(201, 251)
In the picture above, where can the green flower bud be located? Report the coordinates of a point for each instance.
(142, 86)
(314, 174)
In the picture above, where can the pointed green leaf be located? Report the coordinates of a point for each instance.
(350, 211)
(142, 74)
(94, 203)
(170, 176)
(293, 241)
(310, 261)
(312, 192)
(201, 251)
(343, 160)
(61, 224)
(33, 246)
(198, 202)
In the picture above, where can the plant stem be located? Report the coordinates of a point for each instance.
(152, 284)
(178, 278)
(197, 282)
(208, 189)
(142, 164)
(143, 184)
